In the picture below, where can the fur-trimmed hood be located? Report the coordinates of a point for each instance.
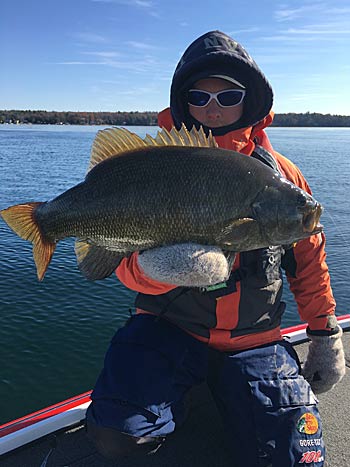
(215, 53)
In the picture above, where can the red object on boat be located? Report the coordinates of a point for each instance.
(69, 412)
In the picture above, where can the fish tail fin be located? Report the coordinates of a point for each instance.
(21, 219)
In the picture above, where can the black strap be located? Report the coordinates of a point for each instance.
(265, 156)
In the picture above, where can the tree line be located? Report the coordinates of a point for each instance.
(150, 118)
(78, 118)
(311, 119)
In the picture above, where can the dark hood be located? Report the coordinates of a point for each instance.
(215, 53)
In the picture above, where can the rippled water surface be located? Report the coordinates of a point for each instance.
(53, 334)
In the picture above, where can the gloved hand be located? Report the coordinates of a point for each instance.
(185, 264)
(325, 363)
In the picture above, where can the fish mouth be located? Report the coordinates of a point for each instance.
(311, 218)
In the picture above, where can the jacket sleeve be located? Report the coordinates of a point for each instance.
(132, 276)
(306, 267)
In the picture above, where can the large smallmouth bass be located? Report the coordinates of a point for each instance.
(176, 188)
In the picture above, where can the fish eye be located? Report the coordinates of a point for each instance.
(301, 200)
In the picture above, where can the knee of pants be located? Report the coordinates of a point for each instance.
(114, 445)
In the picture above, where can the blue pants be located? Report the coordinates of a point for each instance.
(268, 409)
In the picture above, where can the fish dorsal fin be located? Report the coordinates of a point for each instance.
(182, 137)
(113, 141)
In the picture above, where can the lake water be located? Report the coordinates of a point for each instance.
(54, 334)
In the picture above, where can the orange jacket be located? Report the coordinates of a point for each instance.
(311, 282)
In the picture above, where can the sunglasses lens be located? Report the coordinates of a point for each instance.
(198, 98)
(230, 98)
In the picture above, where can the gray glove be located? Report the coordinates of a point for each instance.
(186, 264)
(325, 363)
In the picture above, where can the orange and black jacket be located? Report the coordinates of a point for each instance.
(245, 311)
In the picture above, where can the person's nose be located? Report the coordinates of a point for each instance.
(213, 110)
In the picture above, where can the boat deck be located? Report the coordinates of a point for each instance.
(200, 441)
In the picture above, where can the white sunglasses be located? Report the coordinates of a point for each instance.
(227, 98)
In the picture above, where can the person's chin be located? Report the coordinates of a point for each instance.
(216, 124)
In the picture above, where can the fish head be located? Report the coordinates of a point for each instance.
(286, 213)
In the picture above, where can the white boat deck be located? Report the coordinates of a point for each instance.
(200, 442)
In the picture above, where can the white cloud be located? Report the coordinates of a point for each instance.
(76, 62)
(141, 45)
(131, 3)
(142, 66)
(103, 54)
(110, 82)
(341, 11)
(143, 3)
(147, 6)
(90, 37)
(243, 31)
(303, 37)
(320, 29)
(311, 10)
(285, 13)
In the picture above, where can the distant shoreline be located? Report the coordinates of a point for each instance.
(43, 117)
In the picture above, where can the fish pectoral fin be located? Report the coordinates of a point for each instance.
(236, 231)
(96, 262)
(230, 256)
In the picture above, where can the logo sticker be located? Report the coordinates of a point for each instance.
(311, 456)
(307, 424)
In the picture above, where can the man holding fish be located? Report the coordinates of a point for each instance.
(201, 233)
(228, 335)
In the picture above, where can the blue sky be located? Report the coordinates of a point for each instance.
(109, 55)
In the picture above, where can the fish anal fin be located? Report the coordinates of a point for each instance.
(112, 142)
(21, 219)
(96, 262)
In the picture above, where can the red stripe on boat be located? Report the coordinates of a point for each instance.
(43, 414)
